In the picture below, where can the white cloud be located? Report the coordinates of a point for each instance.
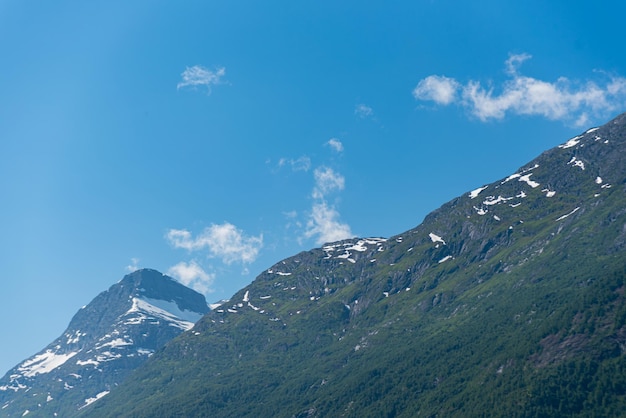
(324, 224)
(133, 266)
(223, 241)
(326, 181)
(198, 76)
(441, 90)
(335, 144)
(363, 111)
(514, 61)
(300, 164)
(562, 99)
(192, 275)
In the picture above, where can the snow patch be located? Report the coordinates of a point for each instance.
(571, 143)
(118, 342)
(576, 163)
(87, 362)
(565, 216)
(74, 338)
(89, 401)
(436, 238)
(476, 192)
(527, 180)
(480, 211)
(549, 193)
(492, 200)
(44, 363)
(166, 310)
(511, 177)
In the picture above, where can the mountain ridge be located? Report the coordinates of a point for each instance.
(118, 330)
(506, 301)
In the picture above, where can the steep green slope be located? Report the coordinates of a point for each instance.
(507, 301)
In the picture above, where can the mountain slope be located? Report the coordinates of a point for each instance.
(506, 301)
(105, 340)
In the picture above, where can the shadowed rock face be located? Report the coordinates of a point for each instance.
(104, 342)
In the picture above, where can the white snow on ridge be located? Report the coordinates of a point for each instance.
(591, 130)
(476, 192)
(571, 143)
(166, 310)
(519, 175)
(528, 181)
(511, 177)
(44, 363)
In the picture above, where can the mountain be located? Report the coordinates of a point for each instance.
(507, 301)
(104, 342)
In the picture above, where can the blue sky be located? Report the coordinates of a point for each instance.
(211, 139)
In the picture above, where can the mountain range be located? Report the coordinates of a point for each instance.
(506, 301)
(107, 339)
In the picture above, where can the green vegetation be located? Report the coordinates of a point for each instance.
(520, 314)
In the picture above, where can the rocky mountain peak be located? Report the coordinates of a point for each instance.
(106, 339)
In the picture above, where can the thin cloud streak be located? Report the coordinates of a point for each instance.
(562, 99)
(363, 111)
(299, 164)
(199, 76)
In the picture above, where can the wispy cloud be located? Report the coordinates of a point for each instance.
(324, 220)
(299, 164)
(326, 181)
(199, 76)
(562, 99)
(224, 241)
(133, 266)
(335, 145)
(363, 111)
(192, 275)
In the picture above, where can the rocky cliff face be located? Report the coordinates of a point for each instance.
(103, 343)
